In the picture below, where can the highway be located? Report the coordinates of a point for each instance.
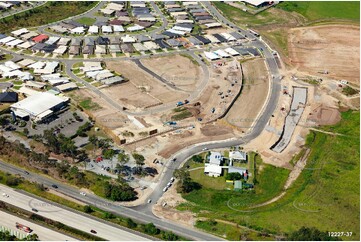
(75, 220)
(106, 205)
(8, 221)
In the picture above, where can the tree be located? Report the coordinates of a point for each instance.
(123, 158)
(5, 236)
(310, 234)
(234, 176)
(186, 183)
(139, 159)
(130, 223)
(151, 229)
(26, 131)
(108, 153)
(88, 209)
(169, 236)
(32, 237)
(197, 159)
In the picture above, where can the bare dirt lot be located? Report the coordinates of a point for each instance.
(142, 90)
(177, 69)
(335, 48)
(255, 88)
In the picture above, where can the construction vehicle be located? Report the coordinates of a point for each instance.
(179, 104)
(23, 227)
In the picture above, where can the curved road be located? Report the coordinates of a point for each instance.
(144, 212)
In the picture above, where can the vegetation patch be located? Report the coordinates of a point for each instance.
(86, 21)
(48, 13)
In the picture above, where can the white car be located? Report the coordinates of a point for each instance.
(165, 189)
(172, 179)
(149, 200)
(205, 148)
(83, 193)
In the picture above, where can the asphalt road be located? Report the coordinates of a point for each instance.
(259, 125)
(75, 220)
(8, 220)
(106, 205)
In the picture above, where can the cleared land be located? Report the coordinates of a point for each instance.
(182, 71)
(256, 84)
(333, 48)
(142, 90)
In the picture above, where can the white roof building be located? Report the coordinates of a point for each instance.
(222, 53)
(212, 38)
(100, 49)
(52, 40)
(58, 81)
(128, 39)
(115, 6)
(38, 106)
(118, 28)
(213, 170)
(150, 45)
(26, 45)
(78, 30)
(60, 50)
(14, 43)
(231, 51)
(211, 56)
(67, 87)
(20, 32)
(182, 29)
(63, 41)
(6, 39)
(136, 27)
(93, 29)
(237, 155)
(107, 29)
(228, 37)
(37, 65)
(139, 47)
(213, 25)
(215, 158)
(12, 65)
(50, 76)
(25, 62)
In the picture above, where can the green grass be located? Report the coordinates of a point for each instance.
(326, 195)
(217, 183)
(86, 21)
(270, 183)
(181, 115)
(324, 10)
(229, 231)
(89, 105)
(48, 13)
(349, 91)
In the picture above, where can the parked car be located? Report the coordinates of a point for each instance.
(26, 172)
(149, 201)
(34, 210)
(165, 189)
(93, 231)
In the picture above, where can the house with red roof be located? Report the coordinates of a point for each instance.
(40, 38)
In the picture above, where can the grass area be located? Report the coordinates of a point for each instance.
(217, 183)
(48, 13)
(6, 57)
(181, 115)
(349, 91)
(316, 10)
(86, 21)
(326, 195)
(279, 38)
(230, 232)
(270, 183)
(89, 105)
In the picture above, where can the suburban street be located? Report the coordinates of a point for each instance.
(43, 233)
(75, 220)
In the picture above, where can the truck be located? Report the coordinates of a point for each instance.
(23, 227)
